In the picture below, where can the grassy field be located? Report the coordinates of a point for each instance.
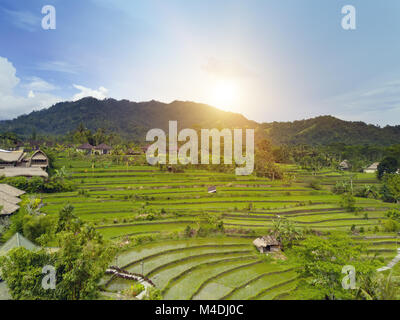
(225, 267)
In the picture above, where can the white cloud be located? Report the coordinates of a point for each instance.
(38, 92)
(100, 93)
(12, 104)
(24, 19)
(57, 66)
(38, 84)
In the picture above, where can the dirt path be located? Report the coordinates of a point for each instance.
(392, 263)
(126, 275)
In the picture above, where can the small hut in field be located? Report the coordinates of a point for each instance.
(267, 244)
(372, 168)
(212, 189)
(344, 165)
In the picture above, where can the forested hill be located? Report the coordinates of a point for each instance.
(132, 120)
(327, 129)
(129, 119)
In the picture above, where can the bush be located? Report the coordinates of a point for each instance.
(391, 225)
(348, 202)
(314, 184)
(38, 185)
(393, 214)
(134, 290)
(341, 187)
(153, 294)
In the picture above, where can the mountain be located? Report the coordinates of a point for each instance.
(129, 119)
(132, 120)
(327, 129)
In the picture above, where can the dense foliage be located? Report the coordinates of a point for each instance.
(321, 261)
(80, 263)
(132, 120)
(39, 185)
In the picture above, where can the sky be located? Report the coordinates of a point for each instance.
(271, 60)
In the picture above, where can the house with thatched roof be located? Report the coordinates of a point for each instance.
(344, 165)
(267, 244)
(17, 241)
(10, 158)
(23, 172)
(22, 159)
(9, 199)
(372, 168)
(38, 159)
(85, 148)
(212, 189)
(102, 149)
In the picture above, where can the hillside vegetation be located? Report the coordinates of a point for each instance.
(131, 120)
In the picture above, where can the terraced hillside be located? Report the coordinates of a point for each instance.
(210, 268)
(121, 200)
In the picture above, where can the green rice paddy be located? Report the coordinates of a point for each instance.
(223, 267)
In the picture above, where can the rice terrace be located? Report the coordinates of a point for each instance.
(199, 154)
(192, 244)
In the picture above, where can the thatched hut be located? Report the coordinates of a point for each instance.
(212, 189)
(102, 149)
(10, 158)
(267, 244)
(344, 165)
(85, 148)
(38, 160)
(372, 168)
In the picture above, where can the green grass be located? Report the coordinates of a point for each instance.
(225, 267)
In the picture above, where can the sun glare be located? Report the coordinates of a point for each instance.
(225, 95)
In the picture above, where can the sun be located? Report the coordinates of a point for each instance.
(225, 94)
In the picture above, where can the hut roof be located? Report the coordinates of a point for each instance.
(16, 241)
(102, 146)
(7, 208)
(11, 190)
(345, 164)
(373, 166)
(86, 146)
(212, 189)
(12, 156)
(23, 172)
(39, 154)
(266, 241)
(9, 199)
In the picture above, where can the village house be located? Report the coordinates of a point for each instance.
(10, 158)
(20, 163)
(344, 165)
(372, 168)
(38, 160)
(267, 244)
(85, 148)
(102, 149)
